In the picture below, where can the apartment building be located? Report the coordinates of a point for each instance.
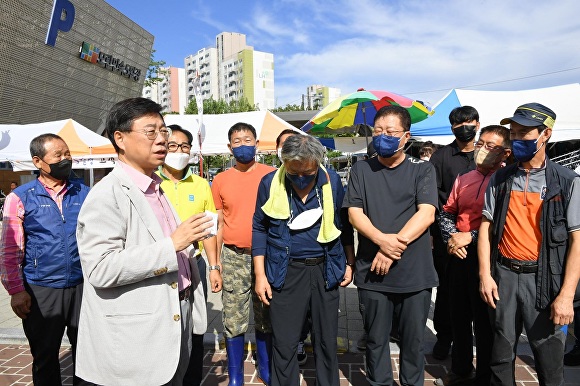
(249, 74)
(318, 96)
(170, 91)
(230, 71)
(203, 64)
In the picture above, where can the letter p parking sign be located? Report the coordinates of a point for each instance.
(60, 9)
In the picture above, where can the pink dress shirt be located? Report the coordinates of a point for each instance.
(149, 185)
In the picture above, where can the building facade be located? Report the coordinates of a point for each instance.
(203, 64)
(249, 74)
(317, 96)
(68, 59)
(170, 91)
(244, 72)
(230, 71)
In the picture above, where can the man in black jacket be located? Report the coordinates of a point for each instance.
(449, 161)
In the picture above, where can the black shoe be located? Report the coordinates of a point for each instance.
(441, 349)
(452, 379)
(573, 357)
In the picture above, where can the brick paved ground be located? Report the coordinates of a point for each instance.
(15, 369)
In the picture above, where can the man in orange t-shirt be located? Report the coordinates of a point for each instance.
(234, 193)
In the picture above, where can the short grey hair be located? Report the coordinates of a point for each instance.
(303, 148)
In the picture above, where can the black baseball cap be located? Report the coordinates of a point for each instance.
(532, 114)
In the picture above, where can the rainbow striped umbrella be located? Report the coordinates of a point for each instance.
(361, 107)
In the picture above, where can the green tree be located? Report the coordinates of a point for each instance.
(333, 153)
(211, 106)
(154, 72)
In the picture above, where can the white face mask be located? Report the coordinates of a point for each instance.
(279, 152)
(306, 219)
(177, 161)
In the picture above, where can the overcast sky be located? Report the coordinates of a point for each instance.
(420, 49)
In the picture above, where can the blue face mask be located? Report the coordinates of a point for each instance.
(300, 182)
(525, 149)
(386, 145)
(244, 154)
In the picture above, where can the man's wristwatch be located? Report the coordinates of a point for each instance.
(216, 267)
(350, 264)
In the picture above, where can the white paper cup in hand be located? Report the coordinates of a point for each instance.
(214, 220)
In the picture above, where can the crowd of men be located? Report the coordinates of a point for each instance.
(123, 267)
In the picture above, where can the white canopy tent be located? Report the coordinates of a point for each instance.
(214, 130)
(88, 149)
(495, 105)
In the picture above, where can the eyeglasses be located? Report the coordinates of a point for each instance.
(489, 146)
(173, 146)
(153, 133)
(389, 133)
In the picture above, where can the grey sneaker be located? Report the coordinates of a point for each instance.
(301, 353)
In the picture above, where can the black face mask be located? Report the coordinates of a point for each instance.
(60, 170)
(464, 133)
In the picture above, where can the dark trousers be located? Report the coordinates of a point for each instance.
(194, 373)
(442, 311)
(306, 327)
(304, 289)
(52, 310)
(577, 324)
(379, 309)
(516, 309)
(467, 307)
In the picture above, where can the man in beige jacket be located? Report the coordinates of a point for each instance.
(142, 297)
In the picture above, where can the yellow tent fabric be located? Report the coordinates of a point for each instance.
(79, 147)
